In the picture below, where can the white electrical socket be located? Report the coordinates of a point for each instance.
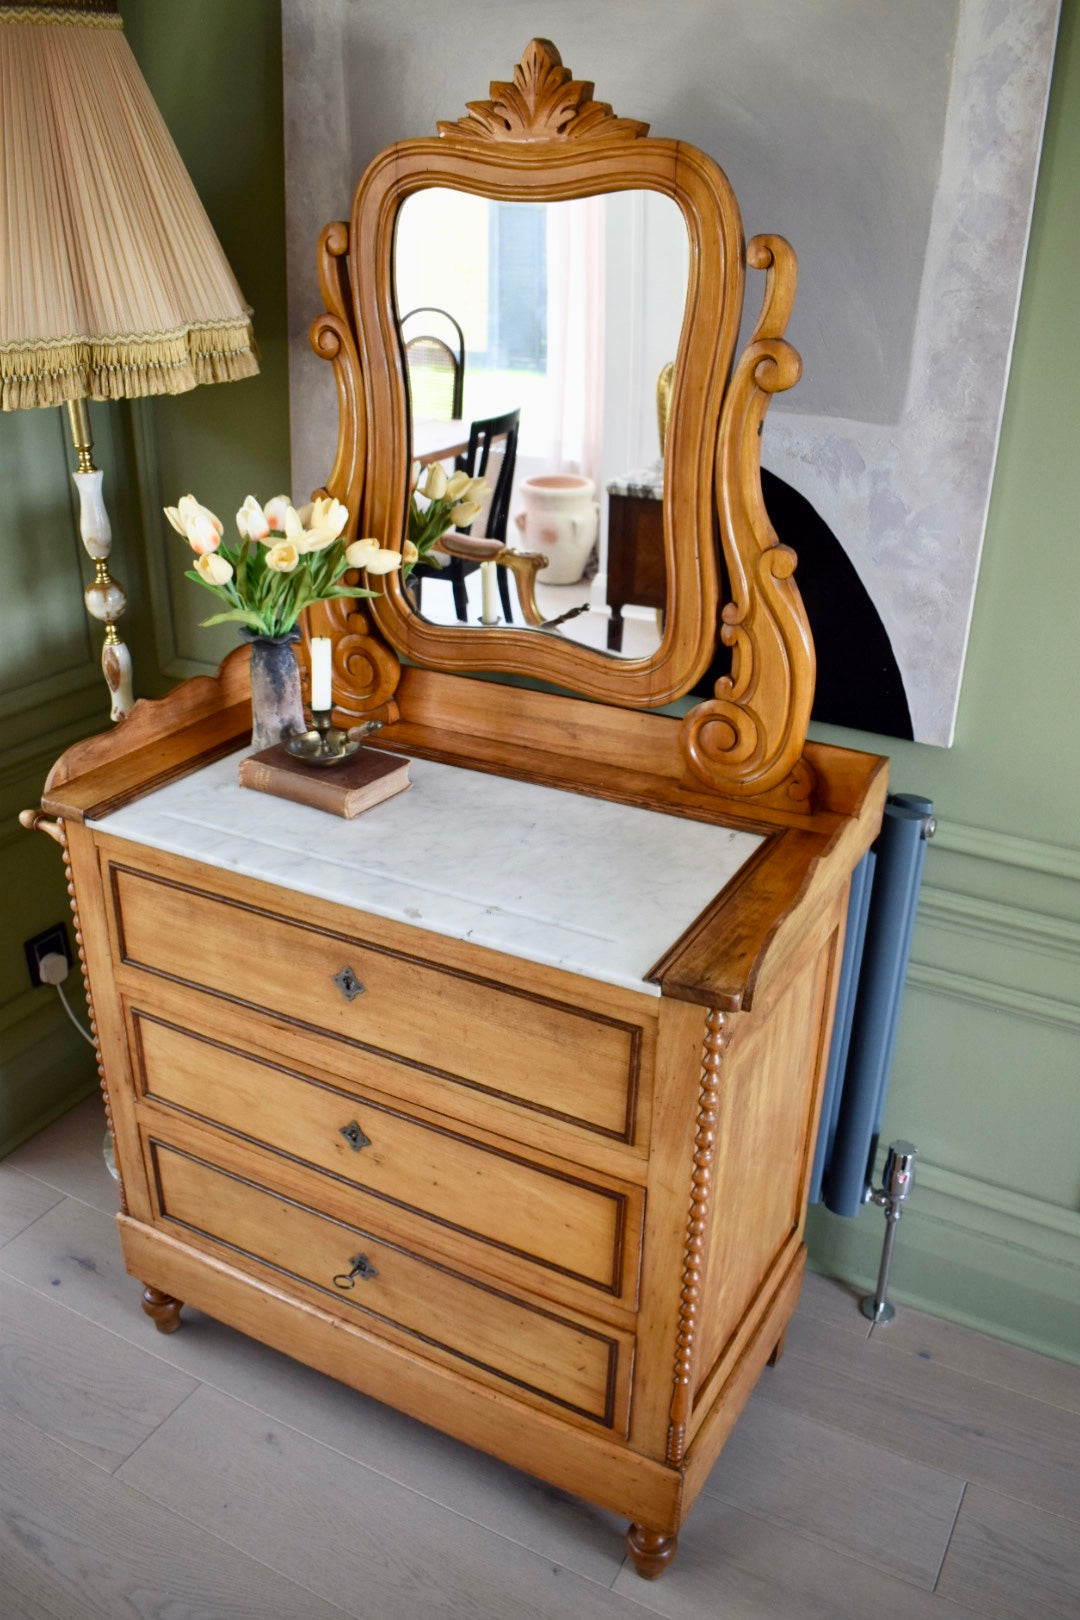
(53, 968)
(52, 942)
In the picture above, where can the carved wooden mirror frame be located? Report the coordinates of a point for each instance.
(543, 138)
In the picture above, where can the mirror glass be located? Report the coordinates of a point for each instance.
(553, 322)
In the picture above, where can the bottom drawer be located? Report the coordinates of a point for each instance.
(582, 1369)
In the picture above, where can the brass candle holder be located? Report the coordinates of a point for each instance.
(324, 744)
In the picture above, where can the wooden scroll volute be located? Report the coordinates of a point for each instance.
(748, 739)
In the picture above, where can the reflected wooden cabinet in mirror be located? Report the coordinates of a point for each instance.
(497, 1103)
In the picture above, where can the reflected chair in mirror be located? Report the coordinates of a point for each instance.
(636, 571)
(435, 360)
(491, 454)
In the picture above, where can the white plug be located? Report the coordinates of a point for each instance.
(53, 968)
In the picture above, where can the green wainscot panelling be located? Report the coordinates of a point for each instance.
(968, 1080)
(47, 643)
(964, 1250)
(51, 694)
(45, 1065)
(215, 72)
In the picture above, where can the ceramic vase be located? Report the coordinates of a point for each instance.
(560, 518)
(277, 707)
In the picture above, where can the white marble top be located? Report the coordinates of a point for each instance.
(597, 888)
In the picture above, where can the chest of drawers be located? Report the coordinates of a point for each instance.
(524, 1161)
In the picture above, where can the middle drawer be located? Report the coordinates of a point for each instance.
(587, 1231)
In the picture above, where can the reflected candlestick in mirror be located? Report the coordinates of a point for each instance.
(489, 611)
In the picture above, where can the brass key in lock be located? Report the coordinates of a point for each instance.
(361, 1267)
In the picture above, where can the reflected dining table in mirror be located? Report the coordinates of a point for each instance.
(438, 441)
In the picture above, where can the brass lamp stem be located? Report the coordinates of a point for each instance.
(81, 436)
(105, 599)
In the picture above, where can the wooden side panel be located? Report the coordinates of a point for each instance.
(106, 1015)
(769, 1102)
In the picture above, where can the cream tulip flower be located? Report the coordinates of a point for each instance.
(294, 529)
(214, 569)
(274, 512)
(409, 553)
(283, 557)
(325, 513)
(464, 512)
(383, 562)
(457, 485)
(323, 521)
(251, 520)
(358, 553)
(434, 486)
(202, 535)
(200, 528)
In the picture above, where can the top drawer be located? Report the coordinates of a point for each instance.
(571, 1062)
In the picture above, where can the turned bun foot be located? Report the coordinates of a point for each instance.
(163, 1310)
(778, 1349)
(650, 1552)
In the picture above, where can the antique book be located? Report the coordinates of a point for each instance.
(344, 790)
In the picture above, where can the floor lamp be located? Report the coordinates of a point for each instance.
(112, 282)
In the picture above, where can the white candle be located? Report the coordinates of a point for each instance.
(322, 696)
(489, 611)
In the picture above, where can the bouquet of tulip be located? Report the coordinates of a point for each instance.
(285, 559)
(448, 503)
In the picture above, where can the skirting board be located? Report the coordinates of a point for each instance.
(45, 1069)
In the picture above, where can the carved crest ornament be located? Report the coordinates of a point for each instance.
(541, 137)
(544, 102)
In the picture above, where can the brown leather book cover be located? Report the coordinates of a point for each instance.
(356, 784)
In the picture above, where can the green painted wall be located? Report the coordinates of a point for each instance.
(215, 72)
(986, 1079)
(986, 1073)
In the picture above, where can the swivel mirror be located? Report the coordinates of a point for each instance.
(528, 179)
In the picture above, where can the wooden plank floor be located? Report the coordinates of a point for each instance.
(926, 1474)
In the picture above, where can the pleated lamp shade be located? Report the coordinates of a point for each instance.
(112, 282)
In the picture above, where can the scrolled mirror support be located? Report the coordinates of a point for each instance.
(748, 739)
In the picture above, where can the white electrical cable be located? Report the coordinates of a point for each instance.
(53, 969)
(85, 1033)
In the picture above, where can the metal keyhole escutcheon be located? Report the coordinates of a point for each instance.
(348, 984)
(355, 1136)
(361, 1267)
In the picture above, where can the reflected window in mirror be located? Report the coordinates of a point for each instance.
(568, 311)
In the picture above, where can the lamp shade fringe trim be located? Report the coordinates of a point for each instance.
(86, 14)
(38, 374)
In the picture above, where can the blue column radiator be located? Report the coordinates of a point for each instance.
(881, 919)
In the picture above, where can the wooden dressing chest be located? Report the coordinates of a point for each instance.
(556, 1215)
(497, 1103)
